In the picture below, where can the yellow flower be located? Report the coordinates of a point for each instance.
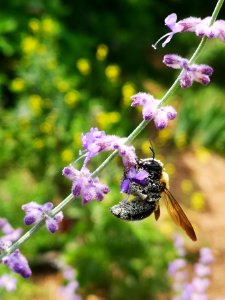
(180, 140)
(112, 72)
(203, 154)
(166, 227)
(29, 44)
(83, 65)
(35, 102)
(49, 26)
(34, 24)
(77, 139)
(51, 64)
(128, 90)
(102, 52)
(71, 98)
(145, 148)
(38, 143)
(107, 118)
(24, 121)
(67, 155)
(186, 186)
(46, 127)
(17, 85)
(170, 169)
(164, 135)
(62, 85)
(197, 201)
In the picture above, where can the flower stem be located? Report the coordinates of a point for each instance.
(129, 139)
(216, 11)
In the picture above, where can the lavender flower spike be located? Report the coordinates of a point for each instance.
(84, 185)
(201, 27)
(152, 111)
(35, 212)
(97, 141)
(191, 73)
(9, 233)
(188, 24)
(17, 263)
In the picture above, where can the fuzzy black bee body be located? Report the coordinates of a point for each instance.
(147, 195)
(134, 210)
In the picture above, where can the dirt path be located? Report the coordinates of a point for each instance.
(208, 173)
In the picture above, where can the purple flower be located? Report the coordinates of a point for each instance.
(206, 256)
(133, 176)
(150, 110)
(191, 73)
(8, 282)
(17, 263)
(84, 185)
(200, 285)
(69, 291)
(188, 24)
(68, 273)
(36, 212)
(217, 30)
(200, 26)
(179, 245)
(97, 141)
(195, 289)
(176, 265)
(126, 152)
(52, 224)
(9, 233)
(202, 270)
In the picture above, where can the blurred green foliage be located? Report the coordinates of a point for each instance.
(65, 67)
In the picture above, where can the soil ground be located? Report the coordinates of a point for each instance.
(208, 174)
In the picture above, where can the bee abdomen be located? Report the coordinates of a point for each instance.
(134, 210)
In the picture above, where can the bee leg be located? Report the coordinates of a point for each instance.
(157, 212)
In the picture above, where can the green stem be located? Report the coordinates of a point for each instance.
(216, 11)
(129, 139)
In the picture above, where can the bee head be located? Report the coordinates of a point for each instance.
(153, 166)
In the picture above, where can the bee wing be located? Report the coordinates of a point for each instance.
(157, 212)
(177, 214)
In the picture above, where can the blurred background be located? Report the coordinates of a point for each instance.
(67, 66)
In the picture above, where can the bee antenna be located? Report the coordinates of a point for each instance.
(153, 152)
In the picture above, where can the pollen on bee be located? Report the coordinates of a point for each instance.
(165, 179)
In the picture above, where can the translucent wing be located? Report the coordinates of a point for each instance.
(177, 214)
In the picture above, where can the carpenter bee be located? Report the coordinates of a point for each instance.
(147, 194)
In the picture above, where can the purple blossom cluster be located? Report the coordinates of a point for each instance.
(191, 73)
(133, 175)
(97, 141)
(15, 261)
(201, 27)
(8, 282)
(183, 287)
(35, 212)
(152, 109)
(84, 185)
(69, 291)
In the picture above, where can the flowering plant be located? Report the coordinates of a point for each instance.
(86, 184)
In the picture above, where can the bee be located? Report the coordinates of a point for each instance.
(147, 196)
